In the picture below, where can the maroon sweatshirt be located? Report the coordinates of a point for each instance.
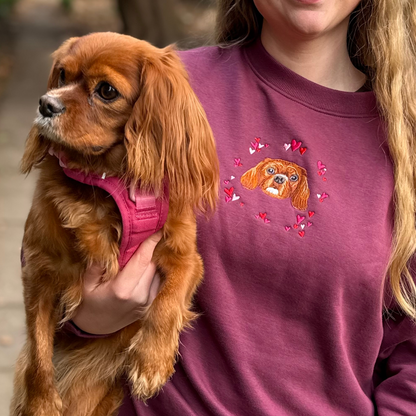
(292, 301)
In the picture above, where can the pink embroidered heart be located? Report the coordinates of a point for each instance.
(229, 191)
(286, 146)
(299, 218)
(324, 195)
(258, 139)
(266, 221)
(295, 226)
(257, 216)
(311, 214)
(226, 182)
(309, 223)
(287, 228)
(254, 145)
(302, 150)
(320, 165)
(262, 215)
(266, 145)
(227, 199)
(301, 233)
(237, 162)
(295, 145)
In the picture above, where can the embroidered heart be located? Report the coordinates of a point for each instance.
(324, 179)
(301, 233)
(302, 226)
(309, 223)
(241, 204)
(266, 221)
(266, 145)
(318, 195)
(236, 197)
(254, 145)
(311, 214)
(251, 150)
(261, 145)
(324, 195)
(262, 215)
(226, 182)
(229, 191)
(295, 226)
(302, 150)
(227, 199)
(232, 177)
(237, 162)
(320, 165)
(257, 216)
(321, 200)
(299, 218)
(287, 146)
(295, 145)
(258, 139)
(287, 228)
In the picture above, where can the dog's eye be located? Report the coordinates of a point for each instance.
(294, 178)
(107, 92)
(270, 171)
(61, 81)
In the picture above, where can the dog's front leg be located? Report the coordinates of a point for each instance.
(153, 351)
(39, 395)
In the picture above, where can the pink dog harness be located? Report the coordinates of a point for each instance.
(140, 219)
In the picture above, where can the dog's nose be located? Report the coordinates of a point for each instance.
(279, 179)
(50, 106)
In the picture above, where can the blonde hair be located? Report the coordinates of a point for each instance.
(382, 43)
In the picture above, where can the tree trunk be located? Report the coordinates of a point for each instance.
(151, 20)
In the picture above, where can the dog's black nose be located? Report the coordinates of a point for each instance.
(279, 179)
(50, 106)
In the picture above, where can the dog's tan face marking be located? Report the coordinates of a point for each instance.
(279, 179)
(97, 93)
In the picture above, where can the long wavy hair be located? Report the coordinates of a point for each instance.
(382, 43)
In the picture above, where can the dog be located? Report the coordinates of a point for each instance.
(117, 109)
(279, 179)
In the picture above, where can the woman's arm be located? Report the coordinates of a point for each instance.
(111, 306)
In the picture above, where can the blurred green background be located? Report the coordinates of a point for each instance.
(30, 30)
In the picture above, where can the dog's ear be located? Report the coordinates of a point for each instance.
(251, 178)
(168, 136)
(57, 55)
(301, 194)
(36, 149)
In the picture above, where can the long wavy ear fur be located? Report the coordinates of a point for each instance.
(168, 136)
(36, 149)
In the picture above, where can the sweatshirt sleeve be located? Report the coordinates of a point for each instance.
(395, 370)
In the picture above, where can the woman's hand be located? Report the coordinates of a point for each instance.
(113, 305)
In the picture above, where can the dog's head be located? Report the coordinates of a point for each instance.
(118, 105)
(279, 179)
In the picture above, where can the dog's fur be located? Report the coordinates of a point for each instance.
(155, 130)
(279, 179)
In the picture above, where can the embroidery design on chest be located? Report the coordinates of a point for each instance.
(279, 179)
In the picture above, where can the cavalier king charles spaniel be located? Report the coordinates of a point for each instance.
(116, 107)
(279, 179)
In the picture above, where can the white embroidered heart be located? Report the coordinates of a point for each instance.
(236, 197)
(252, 150)
(302, 226)
(287, 146)
(232, 177)
(261, 145)
(318, 195)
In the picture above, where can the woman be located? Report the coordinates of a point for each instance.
(296, 256)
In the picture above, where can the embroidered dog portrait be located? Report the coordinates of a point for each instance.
(279, 179)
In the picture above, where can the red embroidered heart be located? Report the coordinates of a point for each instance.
(262, 215)
(311, 214)
(320, 173)
(299, 218)
(295, 226)
(295, 145)
(302, 150)
(266, 145)
(301, 233)
(241, 204)
(320, 165)
(229, 191)
(321, 200)
(324, 179)
(287, 228)
(258, 139)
